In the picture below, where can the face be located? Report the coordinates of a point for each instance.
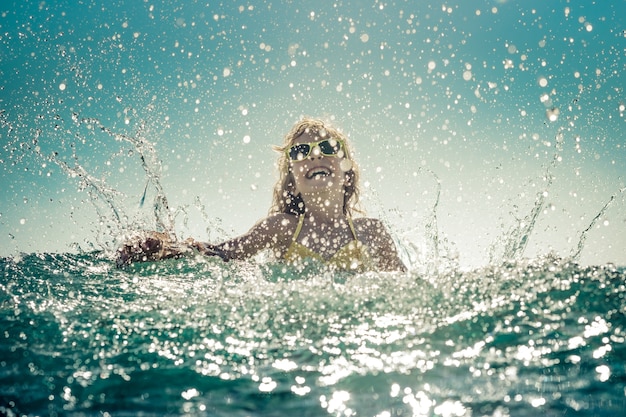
(317, 172)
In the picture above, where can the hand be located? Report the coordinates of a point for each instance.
(148, 247)
(207, 249)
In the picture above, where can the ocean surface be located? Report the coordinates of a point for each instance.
(198, 337)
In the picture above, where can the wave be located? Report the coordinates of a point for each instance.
(200, 337)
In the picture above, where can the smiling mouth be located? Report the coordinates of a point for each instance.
(318, 172)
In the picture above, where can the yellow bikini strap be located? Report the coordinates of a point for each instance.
(301, 222)
(298, 228)
(352, 228)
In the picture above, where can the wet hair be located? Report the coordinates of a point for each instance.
(284, 199)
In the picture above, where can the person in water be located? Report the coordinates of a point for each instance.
(311, 218)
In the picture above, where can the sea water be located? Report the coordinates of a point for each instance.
(199, 337)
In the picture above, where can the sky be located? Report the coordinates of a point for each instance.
(465, 117)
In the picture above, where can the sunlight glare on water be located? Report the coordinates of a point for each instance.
(374, 343)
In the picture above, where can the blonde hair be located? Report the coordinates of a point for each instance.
(284, 199)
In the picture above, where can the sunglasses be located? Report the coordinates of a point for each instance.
(327, 147)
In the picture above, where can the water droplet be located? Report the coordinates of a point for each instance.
(553, 114)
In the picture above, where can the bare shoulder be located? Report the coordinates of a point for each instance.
(370, 226)
(373, 233)
(279, 222)
(279, 227)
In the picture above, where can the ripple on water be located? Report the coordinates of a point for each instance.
(203, 337)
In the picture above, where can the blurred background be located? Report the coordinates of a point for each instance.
(509, 108)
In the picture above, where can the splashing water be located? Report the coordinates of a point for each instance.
(583, 235)
(107, 200)
(198, 337)
(84, 337)
(516, 239)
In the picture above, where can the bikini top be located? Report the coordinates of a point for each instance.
(353, 256)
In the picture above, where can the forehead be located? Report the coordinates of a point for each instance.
(311, 135)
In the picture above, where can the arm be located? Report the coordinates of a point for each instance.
(381, 245)
(269, 233)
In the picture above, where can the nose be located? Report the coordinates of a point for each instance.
(316, 152)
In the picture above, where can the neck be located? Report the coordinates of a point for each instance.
(323, 208)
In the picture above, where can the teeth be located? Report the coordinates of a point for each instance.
(317, 172)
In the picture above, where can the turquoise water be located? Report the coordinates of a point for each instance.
(197, 337)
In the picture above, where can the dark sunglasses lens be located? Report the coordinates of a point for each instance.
(298, 152)
(329, 147)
